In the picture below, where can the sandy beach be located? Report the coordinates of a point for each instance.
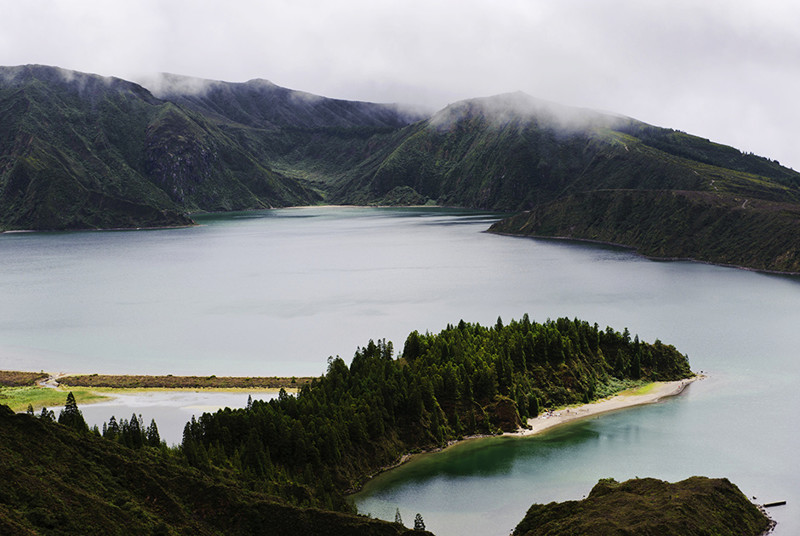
(654, 393)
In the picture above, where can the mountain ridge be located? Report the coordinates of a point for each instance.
(81, 151)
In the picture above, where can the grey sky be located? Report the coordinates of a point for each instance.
(727, 70)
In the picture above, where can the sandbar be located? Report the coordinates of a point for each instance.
(626, 399)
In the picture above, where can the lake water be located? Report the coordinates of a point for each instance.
(170, 409)
(277, 292)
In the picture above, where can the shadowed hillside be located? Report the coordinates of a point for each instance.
(59, 481)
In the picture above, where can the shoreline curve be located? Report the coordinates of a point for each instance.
(551, 419)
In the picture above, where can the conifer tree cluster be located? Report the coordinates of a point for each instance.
(467, 379)
(132, 433)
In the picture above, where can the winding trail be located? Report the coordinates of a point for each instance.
(52, 381)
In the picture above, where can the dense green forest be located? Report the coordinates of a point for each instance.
(61, 480)
(468, 379)
(697, 506)
(300, 455)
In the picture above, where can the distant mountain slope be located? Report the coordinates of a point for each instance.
(514, 152)
(711, 227)
(261, 104)
(83, 151)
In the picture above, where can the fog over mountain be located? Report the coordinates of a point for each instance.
(82, 151)
(725, 71)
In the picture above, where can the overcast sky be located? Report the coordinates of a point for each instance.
(728, 70)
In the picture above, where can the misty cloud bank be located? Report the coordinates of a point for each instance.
(726, 71)
(520, 108)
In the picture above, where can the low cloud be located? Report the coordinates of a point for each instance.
(722, 70)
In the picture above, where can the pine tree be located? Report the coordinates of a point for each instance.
(112, 430)
(71, 416)
(419, 524)
(397, 518)
(533, 406)
(135, 433)
(152, 435)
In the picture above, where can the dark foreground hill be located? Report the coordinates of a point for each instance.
(80, 151)
(59, 481)
(697, 506)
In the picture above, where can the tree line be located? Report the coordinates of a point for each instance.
(341, 428)
(468, 379)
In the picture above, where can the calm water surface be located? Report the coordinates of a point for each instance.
(275, 293)
(170, 409)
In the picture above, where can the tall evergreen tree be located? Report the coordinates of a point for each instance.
(112, 430)
(135, 433)
(152, 435)
(419, 524)
(71, 416)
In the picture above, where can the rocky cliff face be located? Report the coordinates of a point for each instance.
(177, 164)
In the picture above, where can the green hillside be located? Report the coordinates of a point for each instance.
(721, 228)
(514, 152)
(283, 466)
(58, 481)
(697, 506)
(80, 151)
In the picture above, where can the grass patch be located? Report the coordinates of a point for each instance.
(18, 398)
(638, 391)
(616, 386)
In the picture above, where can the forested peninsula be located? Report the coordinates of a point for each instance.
(81, 151)
(297, 457)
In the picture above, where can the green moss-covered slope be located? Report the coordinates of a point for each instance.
(697, 506)
(721, 228)
(514, 152)
(80, 151)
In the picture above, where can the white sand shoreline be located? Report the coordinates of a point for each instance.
(549, 420)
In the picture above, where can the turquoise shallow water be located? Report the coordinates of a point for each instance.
(275, 293)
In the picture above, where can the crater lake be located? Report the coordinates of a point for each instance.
(275, 293)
